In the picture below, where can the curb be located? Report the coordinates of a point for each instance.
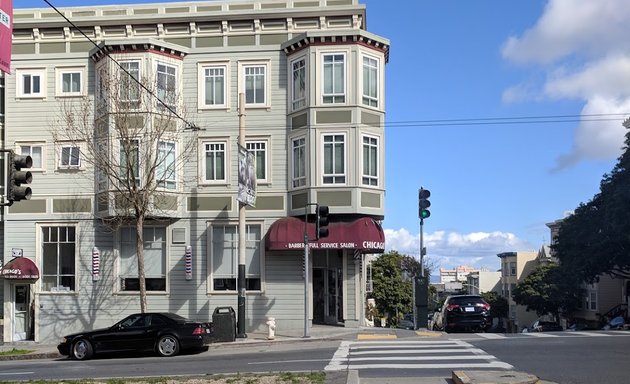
(493, 377)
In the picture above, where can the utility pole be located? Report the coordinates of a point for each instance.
(242, 228)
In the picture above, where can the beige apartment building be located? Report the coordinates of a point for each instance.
(514, 267)
(313, 81)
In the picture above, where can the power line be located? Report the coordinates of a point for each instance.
(189, 125)
(510, 120)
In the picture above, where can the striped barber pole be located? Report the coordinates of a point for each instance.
(188, 264)
(96, 264)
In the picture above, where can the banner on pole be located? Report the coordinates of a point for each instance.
(246, 177)
(6, 34)
(96, 264)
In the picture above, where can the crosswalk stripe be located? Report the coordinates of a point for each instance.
(491, 335)
(405, 354)
(492, 364)
(539, 334)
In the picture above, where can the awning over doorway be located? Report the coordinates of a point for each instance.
(20, 268)
(364, 235)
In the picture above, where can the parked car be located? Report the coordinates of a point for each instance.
(165, 333)
(545, 326)
(465, 312)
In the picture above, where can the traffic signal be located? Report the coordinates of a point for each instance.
(424, 203)
(321, 223)
(16, 177)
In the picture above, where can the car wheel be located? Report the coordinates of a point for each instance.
(82, 349)
(168, 345)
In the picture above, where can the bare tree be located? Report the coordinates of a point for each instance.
(132, 134)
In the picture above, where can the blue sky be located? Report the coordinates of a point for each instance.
(494, 186)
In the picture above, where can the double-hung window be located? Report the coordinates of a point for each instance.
(255, 78)
(334, 84)
(214, 86)
(370, 161)
(370, 81)
(298, 84)
(298, 162)
(166, 175)
(129, 163)
(31, 82)
(224, 262)
(334, 159)
(36, 152)
(166, 86)
(214, 161)
(130, 84)
(59, 247)
(259, 148)
(154, 250)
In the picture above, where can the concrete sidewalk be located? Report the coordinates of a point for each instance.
(49, 351)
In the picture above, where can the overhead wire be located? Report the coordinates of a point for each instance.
(189, 125)
(542, 119)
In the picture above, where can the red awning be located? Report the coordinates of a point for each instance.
(364, 235)
(20, 268)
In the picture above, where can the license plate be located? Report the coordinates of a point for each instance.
(469, 309)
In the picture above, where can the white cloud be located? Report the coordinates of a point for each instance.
(584, 49)
(450, 249)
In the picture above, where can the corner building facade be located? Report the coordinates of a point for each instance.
(313, 80)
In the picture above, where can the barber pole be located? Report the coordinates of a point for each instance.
(188, 264)
(96, 264)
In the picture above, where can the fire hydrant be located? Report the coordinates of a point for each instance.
(271, 328)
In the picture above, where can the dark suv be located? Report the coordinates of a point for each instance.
(466, 312)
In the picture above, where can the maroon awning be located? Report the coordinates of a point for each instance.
(364, 235)
(20, 268)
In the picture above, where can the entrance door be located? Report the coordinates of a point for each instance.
(21, 316)
(327, 296)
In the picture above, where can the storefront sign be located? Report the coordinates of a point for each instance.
(20, 268)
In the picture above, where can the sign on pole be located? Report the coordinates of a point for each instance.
(246, 177)
(6, 34)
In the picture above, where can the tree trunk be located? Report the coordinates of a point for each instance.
(140, 253)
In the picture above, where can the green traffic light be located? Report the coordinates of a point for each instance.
(424, 214)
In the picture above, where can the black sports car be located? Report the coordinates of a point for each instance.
(164, 333)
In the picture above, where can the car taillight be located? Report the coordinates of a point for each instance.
(485, 306)
(199, 331)
(450, 307)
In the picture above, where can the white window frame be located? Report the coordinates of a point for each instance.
(298, 102)
(202, 161)
(243, 67)
(368, 179)
(21, 73)
(124, 83)
(334, 98)
(235, 259)
(61, 72)
(337, 178)
(299, 181)
(168, 97)
(167, 184)
(250, 146)
(201, 84)
(119, 259)
(372, 101)
(61, 145)
(40, 257)
(26, 148)
(139, 171)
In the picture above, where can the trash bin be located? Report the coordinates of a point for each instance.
(224, 321)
